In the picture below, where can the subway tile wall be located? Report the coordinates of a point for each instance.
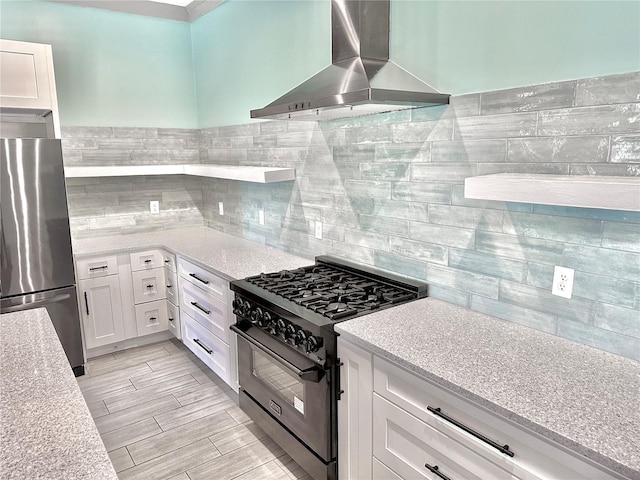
(111, 205)
(388, 189)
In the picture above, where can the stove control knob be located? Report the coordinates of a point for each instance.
(236, 304)
(256, 315)
(301, 337)
(245, 308)
(281, 325)
(290, 331)
(265, 320)
(313, 344)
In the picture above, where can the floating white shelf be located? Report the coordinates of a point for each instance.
(589, 191)
(246, 174)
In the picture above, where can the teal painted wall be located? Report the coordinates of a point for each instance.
(112, 69)
(475, 46)
(249, 52)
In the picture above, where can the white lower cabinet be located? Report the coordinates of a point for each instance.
(173, 317)
(152, 317)
(124, 307)
(207, 347)
(101, 310)
(205, 317)
(421, 430)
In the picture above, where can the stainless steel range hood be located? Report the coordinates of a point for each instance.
(361, 79)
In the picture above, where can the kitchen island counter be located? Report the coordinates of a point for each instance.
(231, 257)
(582, 398)
(46, 430)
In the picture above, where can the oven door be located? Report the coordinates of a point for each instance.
(288, 386)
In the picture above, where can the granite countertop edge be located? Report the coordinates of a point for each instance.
(521, 421)
(373, 333)
(197, 245)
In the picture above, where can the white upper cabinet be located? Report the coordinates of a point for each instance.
(27, 82)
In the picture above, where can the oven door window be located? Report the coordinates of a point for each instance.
(278, 379)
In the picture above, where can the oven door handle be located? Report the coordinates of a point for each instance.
(312, 374)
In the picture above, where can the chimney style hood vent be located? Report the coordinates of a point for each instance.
(361, 79)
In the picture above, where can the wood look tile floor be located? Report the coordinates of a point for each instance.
(162, 414)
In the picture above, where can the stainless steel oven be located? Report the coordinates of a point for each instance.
(287, 364)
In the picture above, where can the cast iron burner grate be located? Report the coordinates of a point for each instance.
(331, 292)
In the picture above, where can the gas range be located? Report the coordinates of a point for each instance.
(288, 368)
(299, 307)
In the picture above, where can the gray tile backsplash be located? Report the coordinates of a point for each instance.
(389, 191)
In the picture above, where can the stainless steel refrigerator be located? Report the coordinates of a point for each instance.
(35, 240)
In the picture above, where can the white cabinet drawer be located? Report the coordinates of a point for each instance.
(207, 347)
(173, 316)
(96, 267)
(407, 446)
(533, 457)
(171, 284)
(204, 279)
(148, 285)
(151, 317)
(208, 310)
(169, 260)
(147, 260)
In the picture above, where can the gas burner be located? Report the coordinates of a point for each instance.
(333, 292)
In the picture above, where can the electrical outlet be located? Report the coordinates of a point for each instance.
(220, 208)
(319, 230)
(261, 217)
(154, 206)
(562, 282)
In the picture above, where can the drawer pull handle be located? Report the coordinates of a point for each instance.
(201, 308)
(167, 261)
(169, 286)
(206, 282)
(501, 448)
(150, 286)
(147, 261)
(203, 346)
(171, 319)
(437, 471)
(153, 319)
(101, 267)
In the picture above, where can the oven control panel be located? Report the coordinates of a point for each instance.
(287, 330)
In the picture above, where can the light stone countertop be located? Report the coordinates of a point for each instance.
(583, 398)
(46, 430)
(231, 257)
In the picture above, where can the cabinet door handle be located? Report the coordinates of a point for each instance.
(102, 267)
(201, 308)
(437, 471)
(203, 346)
(206, 282)
(501, 448)
(171, 319)
(86, 302)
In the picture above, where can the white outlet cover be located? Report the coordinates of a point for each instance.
(319, 230)
(220, 208)
(154, 206)
(261, 217)
(562, 282)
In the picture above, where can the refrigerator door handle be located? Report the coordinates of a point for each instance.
(35, 303)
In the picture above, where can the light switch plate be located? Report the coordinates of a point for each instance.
(319, 230)
(154, 206)
(261, 217)
(220, 208)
